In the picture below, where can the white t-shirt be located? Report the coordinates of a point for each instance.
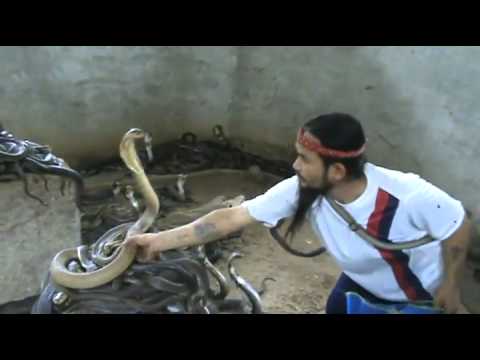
(395, 206)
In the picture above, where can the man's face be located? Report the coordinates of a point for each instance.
(311, 171)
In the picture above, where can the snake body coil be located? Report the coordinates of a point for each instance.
(123, 256)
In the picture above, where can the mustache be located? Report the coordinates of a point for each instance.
(300, 176)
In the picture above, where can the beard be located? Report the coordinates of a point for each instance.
(307, 195)
(314, 192)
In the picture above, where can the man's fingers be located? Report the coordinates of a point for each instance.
(140, 240)
(145, 251)
(131, 242)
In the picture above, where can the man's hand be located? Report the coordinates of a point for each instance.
(211, 227)
(148, 245)
(448, 295)
(448, 298)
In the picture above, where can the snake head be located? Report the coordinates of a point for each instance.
(128, 152)
(147, 138)
(135, 133)
(218, 132)
(181, 179)
(148, 146)
(231, 269)
(129, 192)
(244, 286)
(116, 187)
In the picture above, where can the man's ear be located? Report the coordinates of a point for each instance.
(337, 172)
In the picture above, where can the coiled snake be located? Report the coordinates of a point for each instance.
(17, 155)
(87, 278)
(103, 268)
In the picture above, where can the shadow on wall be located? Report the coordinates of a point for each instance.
(277, 89)
(389, 118)
(80, 100)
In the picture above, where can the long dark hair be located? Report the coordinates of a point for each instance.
(339, 132)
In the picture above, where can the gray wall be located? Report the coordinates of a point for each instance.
(417, 103)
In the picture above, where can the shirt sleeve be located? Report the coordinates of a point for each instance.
(277, 203)
(434, 211)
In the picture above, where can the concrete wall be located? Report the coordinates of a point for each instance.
(417, 103)
(82, 99)
(31, 233)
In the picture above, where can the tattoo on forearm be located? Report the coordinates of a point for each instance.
(206, 232)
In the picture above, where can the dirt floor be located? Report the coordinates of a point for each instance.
(301, 285)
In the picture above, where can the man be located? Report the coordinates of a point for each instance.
(392, 206)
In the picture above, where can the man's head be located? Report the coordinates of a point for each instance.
(330, 151)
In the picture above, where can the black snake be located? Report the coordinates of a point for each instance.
(95, 275)
(21, 156)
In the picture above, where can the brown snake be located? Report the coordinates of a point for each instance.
(123, 256)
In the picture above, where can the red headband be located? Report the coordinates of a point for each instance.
(313, 144)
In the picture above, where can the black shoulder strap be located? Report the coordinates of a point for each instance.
(283, 243)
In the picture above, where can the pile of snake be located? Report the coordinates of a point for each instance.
(109, 198)
(102, 275)
(21, 156)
